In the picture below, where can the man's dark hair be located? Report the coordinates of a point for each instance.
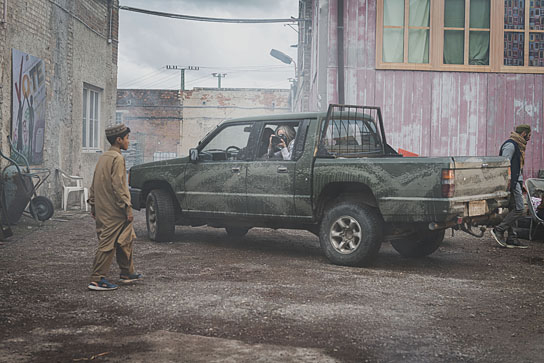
(111, 139)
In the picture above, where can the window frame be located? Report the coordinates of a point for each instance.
(300, 137)
(207, 139)
(88, 91)
(119, 120)
(436, 41)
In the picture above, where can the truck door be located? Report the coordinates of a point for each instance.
(216, 182)
(270, 178)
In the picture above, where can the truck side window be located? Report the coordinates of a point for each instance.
(278, 141)
(230, 143)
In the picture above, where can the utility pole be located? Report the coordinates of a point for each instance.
(182, 73)
(219, 76)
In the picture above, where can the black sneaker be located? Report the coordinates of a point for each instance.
(130, 278)
(515, 243)
(499, 237)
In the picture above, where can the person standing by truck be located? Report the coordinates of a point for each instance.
(514, 150)
(111, 207)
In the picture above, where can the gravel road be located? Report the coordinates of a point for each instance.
(268, 297)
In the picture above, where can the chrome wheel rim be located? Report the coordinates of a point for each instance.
(345, 235)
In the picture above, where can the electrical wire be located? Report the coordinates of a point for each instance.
(162, 75)
(159, 81)
(146, 76)
(206, 19)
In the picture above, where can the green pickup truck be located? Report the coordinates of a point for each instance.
(337, 177)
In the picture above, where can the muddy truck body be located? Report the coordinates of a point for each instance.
(340, 181)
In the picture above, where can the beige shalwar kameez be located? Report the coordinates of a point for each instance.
(109, 198)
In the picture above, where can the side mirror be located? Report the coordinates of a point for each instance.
(193, 155)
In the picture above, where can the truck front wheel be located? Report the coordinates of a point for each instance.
(160, 215)
(351, 234)
(422, 244)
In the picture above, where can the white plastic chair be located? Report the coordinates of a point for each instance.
(70, 184)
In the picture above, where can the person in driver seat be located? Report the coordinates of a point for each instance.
(285, 136)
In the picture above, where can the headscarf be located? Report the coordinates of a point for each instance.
(522, 144)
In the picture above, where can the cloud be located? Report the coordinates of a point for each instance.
(147, 43)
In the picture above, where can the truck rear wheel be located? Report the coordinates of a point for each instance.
(160, 215)
(351, 234)
(422, 244)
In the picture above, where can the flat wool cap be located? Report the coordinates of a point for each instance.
(523, 127)
(116, 130)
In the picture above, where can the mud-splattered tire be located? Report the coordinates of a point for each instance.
(42, 208)
(160, 215)
(422, 244)
(237, 231)
(351, 234)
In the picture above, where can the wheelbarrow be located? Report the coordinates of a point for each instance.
(19, 189)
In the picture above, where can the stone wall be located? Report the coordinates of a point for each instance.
(77, 40)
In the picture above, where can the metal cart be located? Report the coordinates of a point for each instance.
(19, 186)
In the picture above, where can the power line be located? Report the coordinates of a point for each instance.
(144, 77)
(213, 20)
(162, 80)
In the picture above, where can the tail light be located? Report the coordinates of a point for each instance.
(448, 183)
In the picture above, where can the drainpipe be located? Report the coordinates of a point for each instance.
(5, 12)
(110, 6)
(340, 50)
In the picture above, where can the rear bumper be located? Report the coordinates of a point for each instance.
(441, 210)
(135, 198)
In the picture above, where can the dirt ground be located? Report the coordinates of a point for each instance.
(268, 297)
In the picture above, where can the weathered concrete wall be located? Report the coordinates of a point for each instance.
(154, 117)
(205, 108)
(74, 40)
(429, 113)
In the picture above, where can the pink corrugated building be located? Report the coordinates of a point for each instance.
(452, 77)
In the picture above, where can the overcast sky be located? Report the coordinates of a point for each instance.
(148, 43)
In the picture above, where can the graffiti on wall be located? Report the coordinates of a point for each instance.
(28, 112)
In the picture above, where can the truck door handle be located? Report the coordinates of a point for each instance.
(236, 169)
(282, 169)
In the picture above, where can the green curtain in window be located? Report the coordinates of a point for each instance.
(479, 40)
(393, 39)
(418, 39)
(454, 46)
(454, 40)
(393, 12)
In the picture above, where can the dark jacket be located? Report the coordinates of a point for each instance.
(515, 163)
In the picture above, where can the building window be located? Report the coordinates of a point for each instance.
(461, 35)
(118, 118)
(158, 156)
(406, 31)
(91, 118)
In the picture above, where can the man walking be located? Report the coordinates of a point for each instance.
(514, 150)
(109, 198)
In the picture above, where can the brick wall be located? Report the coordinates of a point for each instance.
(154, 117)
(165, 121)
(205, 108)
